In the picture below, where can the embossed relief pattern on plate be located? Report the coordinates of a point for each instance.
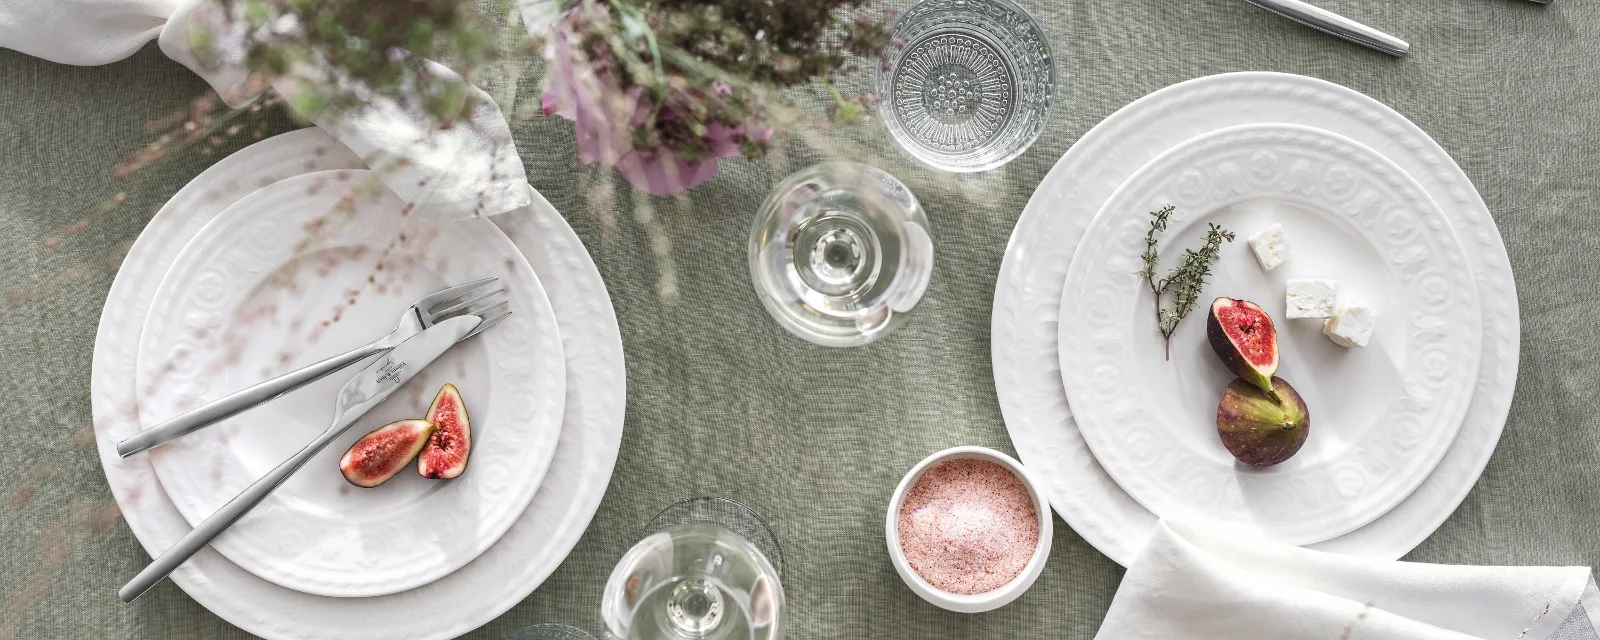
(307, 549)
(1318, 501)
(1028, 297)
(488, 586)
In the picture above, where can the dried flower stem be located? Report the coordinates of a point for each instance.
(1185, 281)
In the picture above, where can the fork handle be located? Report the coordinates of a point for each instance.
(239, 401)
(223, 518)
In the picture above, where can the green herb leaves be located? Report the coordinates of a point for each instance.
(1184, 283)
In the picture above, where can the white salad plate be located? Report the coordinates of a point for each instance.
(1381, 416)
(472, 595)
(1028, 297)
(307, 268)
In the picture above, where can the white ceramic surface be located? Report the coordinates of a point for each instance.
(478, 592)
(1028, 296)
(257, 293)
(978, 602)
(1381, 416)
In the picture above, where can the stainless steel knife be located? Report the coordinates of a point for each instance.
(462, 299)
(358, 396)
(1334, 24)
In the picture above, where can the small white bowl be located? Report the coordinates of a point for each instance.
(979, 602)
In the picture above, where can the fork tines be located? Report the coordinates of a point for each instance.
(473, 298)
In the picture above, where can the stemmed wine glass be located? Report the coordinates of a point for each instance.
(705, 571)
(840, 253)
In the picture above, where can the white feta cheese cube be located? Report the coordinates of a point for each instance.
(1352, 326)
(1312, 298)
(1271, 247)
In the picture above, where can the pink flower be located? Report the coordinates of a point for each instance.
(605, 116)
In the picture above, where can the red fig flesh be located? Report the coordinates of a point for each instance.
(1260, 428)
(386, 451)
(1243, 336)
(445, 455)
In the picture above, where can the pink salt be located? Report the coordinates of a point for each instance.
(968, 526)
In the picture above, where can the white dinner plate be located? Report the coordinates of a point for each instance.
(1381, 416)
(474, 594)
(307, 268)
(1028, 296)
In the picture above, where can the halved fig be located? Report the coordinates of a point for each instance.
(386, 451)
(1244, 338)
(445, 455)
(1259, 428)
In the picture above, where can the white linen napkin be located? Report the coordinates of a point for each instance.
(1198, 582)
(471, 169)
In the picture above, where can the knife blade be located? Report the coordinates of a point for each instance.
(363, 392)
(382, 377)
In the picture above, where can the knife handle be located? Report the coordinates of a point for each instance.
(1336, 25)
(223, 518)
(239, 401)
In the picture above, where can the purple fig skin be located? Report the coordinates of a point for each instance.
(385, 452)
(1259, 429)
(1232, 354)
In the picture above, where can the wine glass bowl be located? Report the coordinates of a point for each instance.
(840, 253)
(693, 581)
(727, 513)
(967, 85)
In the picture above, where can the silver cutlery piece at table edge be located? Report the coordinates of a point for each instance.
(1334, 24)
(431, 309)
(360, 395)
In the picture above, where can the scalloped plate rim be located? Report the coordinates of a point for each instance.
(495, 582)
(1447, 418)
(1023, 349)
(249, 542)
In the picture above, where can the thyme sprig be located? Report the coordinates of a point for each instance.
(1185, 281)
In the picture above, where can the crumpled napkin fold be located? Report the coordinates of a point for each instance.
(470, 169)
(1197, 582)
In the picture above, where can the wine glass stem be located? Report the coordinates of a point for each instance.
(695, 607)
(837, 255)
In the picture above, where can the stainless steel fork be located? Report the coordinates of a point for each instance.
(476, 298)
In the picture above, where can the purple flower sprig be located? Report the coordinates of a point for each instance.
(660, 89)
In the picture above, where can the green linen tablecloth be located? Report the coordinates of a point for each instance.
(723, 401)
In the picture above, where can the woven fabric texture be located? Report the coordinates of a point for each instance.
(722, 401)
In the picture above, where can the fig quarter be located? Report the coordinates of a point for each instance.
(445, 454)
(1243, 337)
(385, 452)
